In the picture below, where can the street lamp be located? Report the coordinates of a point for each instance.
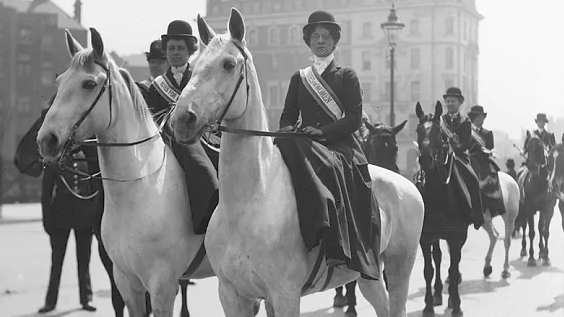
(392, 29)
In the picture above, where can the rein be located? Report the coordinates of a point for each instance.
(72, 143)
(217, 127)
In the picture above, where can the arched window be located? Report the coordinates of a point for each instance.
(294, 35)
(252, 37)
(414, 27)
(273, 35)
(449, 25)
(367, 30)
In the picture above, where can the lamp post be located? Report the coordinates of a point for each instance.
(392, 29)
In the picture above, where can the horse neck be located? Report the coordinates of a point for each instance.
(130, 161)
(245, 161)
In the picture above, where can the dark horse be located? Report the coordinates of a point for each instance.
(558, 183)
(442, 218)
(381, 149)
(28, 161)
(536, 181)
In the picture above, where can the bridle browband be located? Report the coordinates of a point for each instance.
(73, 144)
(448, 161)
(217, 127)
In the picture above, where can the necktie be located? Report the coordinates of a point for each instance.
(178, 73)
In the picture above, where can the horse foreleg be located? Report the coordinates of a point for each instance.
(540, 228)
(547, 218)
(493, 235)
(437, 258)
(531, 223)
(133, 293)
(507, 242)
(428, 272)
(351, 299)
(184, 292)
(455, 248)
(523, 223)
(163, 292)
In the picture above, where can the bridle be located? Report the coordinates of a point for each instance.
(444, 156)
(217, 127)
(72, 144)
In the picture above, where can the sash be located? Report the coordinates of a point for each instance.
(322, 93)
(448, 131)
(478, 138)
(166, 89)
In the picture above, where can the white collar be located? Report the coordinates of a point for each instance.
(180, 69)
(321, 63)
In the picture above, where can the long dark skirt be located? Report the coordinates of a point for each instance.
(486, 169)
(335, 202)
(468, 188)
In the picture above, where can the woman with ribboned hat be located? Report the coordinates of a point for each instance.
(329, 170)
(463, 175)
(483, 163)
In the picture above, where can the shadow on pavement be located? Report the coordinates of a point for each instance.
(529, 272)
(55, 313)
(438, 313)
(558, 304)
(325, 312)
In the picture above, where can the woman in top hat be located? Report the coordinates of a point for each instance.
(463, 175)
(158, 65)
(201, 175)
(335, 186)
(481, 145)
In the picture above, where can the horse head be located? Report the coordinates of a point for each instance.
(430, 141)
(381, 146)
(221, 80)
(537, 156)
(83, 105)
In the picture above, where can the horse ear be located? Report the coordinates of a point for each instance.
(369, 126)
(438, 109)
(399, 127)
(528, 134)
(418, 110)
(72, 45)
(236, 25)
(206, 32)
(97, 43)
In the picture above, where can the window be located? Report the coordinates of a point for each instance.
(414, 27)
(343, 33)
(387, 92)
(274, 61)
(273, 96)
(24, 105)
(294, 35)
(252, 37)
(24, 69)
(465, 30)
(415, 91)
(273, 36)
(367, 92)
(25, 36)
(47, 77)
(366, 60)
(449, 59)
(215, 10)
(277, 6)
(47, 42)
(449, 25)
(367, 30)
(415, 58)
(412, 122)
(449, 83)
(345, 58)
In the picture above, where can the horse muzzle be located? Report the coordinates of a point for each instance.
(185, 124)
(50, 145)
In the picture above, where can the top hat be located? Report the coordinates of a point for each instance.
(155, 51)
(541, 117)
(477, 110)
(510, 163)
(321, 18)
(178, 30)
(454, 92)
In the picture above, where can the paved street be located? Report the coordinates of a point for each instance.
(25, 261)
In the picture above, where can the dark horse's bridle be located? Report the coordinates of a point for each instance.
(72, 144)
(443, 157)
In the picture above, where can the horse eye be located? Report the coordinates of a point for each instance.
(228, 66)
(89, 84)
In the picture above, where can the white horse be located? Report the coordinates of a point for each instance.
(147, 225)
(254, 242)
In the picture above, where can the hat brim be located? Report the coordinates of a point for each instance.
(149, 55)
(166, 37)
(474, 113)
(457, 96)
(542, 119)
(315, 24)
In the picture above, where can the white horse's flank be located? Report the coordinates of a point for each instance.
(511, 197)
(147, 226)
(254, 241)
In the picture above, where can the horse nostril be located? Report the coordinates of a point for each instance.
(52, 141)
(191, 117)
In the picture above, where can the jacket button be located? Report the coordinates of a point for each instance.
(75, 176)
(75, 164)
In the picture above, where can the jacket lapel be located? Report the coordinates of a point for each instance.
(186, 77)
(171, 78)
(331, 69)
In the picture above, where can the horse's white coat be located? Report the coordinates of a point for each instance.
(147, 225)
(254, 241)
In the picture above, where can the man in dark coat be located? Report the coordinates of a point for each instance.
(158, 64)
(69, 202)
(547, 137)
(510, 165)
(465, 178)
(329, 170)
(201, 175)
(483, 163)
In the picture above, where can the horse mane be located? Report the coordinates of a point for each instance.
(86, 59)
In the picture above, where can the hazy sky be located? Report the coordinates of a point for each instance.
(521, 61)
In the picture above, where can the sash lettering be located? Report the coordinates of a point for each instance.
(166, 90)
(322, 93)
(448, 132)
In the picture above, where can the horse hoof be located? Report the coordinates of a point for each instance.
(449, 303)
(523, 253)
(457, 313)
(437, 300)
(532, 262)
(428, 312)
(505, 274)
(546, 262)
(487, 271)
(339, 301)
(351, 312)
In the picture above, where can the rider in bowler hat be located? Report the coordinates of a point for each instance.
(158, 65)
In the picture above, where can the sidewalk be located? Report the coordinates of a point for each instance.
(20, 213)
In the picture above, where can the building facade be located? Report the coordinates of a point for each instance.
(32, 53)
(438, 48)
